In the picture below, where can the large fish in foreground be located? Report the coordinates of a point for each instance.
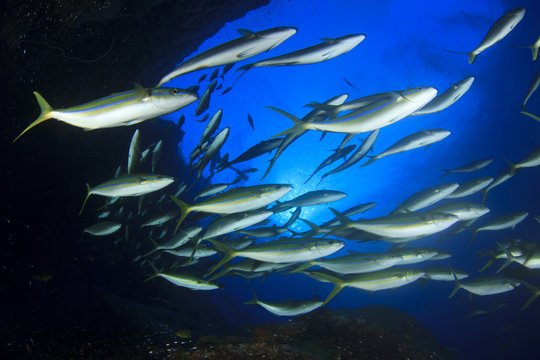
(250, 44)
(377, 115)
(328, 49)
(235, 200)
(498, 31)
(119, 109)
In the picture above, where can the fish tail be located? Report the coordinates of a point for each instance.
(302, 267)
(86, 198)
(219, 274)
(331, 110)
(534, 50)
(269, 167)
(338, 286)
(299, 125)
(254, 301)
(228, 254)
(244, 70)
(475, 232)
(458, 284)
(342, 218)
(184, 210)
(156, 245)
(526, 114)
(488, 264)
(156, 272)
(485, 195)
(535, 292)
(446, 172)
(509, 258)
(46, 110)
(513, 167)
(471, 55)
(372, 159)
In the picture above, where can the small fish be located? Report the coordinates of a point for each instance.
(447, 98)
(355, 263)
(464, 211)
(470, 187)
(532, 88)
(497, 32)
(134, 152)
(211, 190)
(226, 69)
(203, 76)
(226, 90)
(256, 150)
(507, 221)
(119, 109)
(287, 308)
(469, 167)
(234, 222)
(411, 142)
(264, 232)
(250, 121)
(103, 228)
(250, 44)
(350, 84)
(295, 215)
(160, 219)
(426, 198)
(211, 127)
(130, 185)
(189, 281)
(490, 285)
(311, 198)
(530, 161)
(338, 154)
(501, 177)
(443, 274)
(213, 149)
(177, 240)
(156, 155)
(213, 75)
(204, 118)
(204, 102)
(181, 120)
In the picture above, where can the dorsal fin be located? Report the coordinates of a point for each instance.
(246, 32)
(329, 40)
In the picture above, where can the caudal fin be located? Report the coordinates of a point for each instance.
(458, 284)
(46, 110)
(535, 292)
(299, 125)
(471, 55)
(184, 210)
(522, 112)
(86, 198)
(228, 254)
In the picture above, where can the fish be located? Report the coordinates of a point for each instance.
(400, 225)
(333, 110)
(103, 228)
(534, 48)
(356, 156)
(287, 308)
(489, 285)
(235, 200)
(532, 88)
(374, 281)
(447, 98)
(129, 185)
(463, 210)
(213, 75)
(372, 117)
(134, 152)
(187, 280)
(250, 265)
(530, 161)
(213, 149)
(181, 238)
(338, 154)
(501, 177)
(226, 90)
(234, 222)
(470, 187)
(311, 198)
(193, 252)
(250, 44)
(211, 190)
(469, 167)
(156, 155)
(250, 121)
(295, 215)
(411, 142)
(160, 219)
(204, 102)
(426, 198)
(204, 118)
(313, 115)
(328, 49)
(265, 231)
(118, 109)
(414, 255)
(507, 221)
(497, 32)
(283, 250)
(354, 263)
(203, 76)
(443, 274)
(211, 127)
(257, 150)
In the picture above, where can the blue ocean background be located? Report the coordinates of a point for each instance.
(404, 47)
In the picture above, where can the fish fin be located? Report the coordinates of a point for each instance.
(488, 264)
(45, 114)
(458, 284)
(331, 110)
(341, 217)
(485, 195)
(329, 40)
(312, 225)
(86, 198)
(446, 172)
(322, 136)
(156, 245)
(372, 159)
(471, 55)
(535, 292)
(246, 32)
(141, 92)
(338, 286)
(184, 210)
(475, 232)
(513, 167)
(302, 267)
(350, 84)
(299, 125)
(509, 257)
(522, 112)
(156, 272)
(228, 254)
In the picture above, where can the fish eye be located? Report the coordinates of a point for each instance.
(175, 91)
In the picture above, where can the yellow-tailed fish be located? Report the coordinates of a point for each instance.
(129, 185)
(426, 197)
(532, 88)
(103, 228)
(507, 221)
(469, 167)
(447, 98)
(250, 44)
(287, 307)
(235, 200)
(354, 263)
(463, 210)
(189, 281)
(377, 115)
(118, 109)
(470, 187)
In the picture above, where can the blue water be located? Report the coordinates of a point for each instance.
(404, 47)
